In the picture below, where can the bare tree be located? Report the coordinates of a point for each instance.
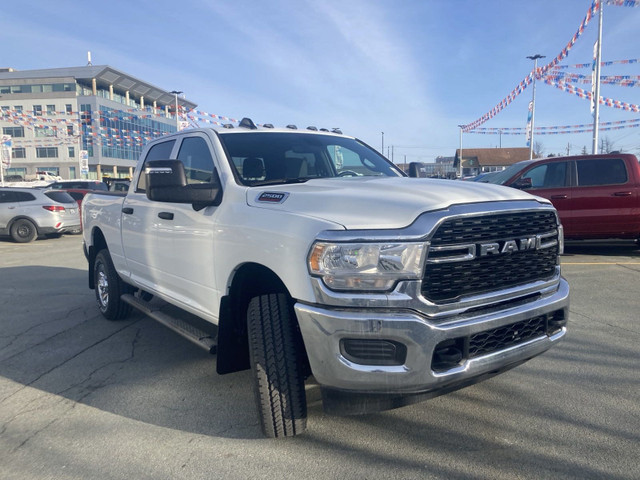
(606, 145)
(538, 149)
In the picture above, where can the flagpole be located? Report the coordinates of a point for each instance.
(533, 101)
(595, 99)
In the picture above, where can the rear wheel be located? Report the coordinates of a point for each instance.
(277, 361)
(23, 231)
(109, 288)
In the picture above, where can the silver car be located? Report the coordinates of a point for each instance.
(26, 213)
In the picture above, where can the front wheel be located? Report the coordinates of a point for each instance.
(109, 287)
(277, 361)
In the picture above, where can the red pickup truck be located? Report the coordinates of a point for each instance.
(597, 196)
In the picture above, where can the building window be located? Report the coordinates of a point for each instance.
(45, 131)
(17, 171)
(17, 108)
(37, 110)
(46, 152)
(13, 131)
(68, 108)
(70, 130)
(72, 152)
(18, 152)
(51, 109)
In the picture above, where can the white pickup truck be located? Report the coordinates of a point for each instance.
(314, 259)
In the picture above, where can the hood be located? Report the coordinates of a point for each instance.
(376, 202)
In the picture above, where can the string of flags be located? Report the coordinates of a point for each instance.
(602, 64)
(585, 94)
(553, 130)
(593, 9)
(551, 70)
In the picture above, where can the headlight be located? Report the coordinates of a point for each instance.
(365, 266)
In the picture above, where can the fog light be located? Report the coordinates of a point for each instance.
(373, 352)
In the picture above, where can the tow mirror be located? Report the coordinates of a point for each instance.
(522, 183)
(167, 182)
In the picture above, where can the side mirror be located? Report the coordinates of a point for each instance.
(167, 182)
(416, 170)
(522, 183)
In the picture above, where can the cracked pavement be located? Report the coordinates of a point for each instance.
(82, 397)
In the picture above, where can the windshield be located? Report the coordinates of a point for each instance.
(267, 158)
(501, 177)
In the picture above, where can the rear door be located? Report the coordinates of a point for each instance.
(604, 199)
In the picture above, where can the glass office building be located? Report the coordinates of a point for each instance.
(53, 115)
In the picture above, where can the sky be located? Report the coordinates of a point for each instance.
(402, 72)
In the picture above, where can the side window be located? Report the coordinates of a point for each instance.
(196, 157)
(7, 196)
(601, 171)
(160, 151)
(24, 197)
(549, 175)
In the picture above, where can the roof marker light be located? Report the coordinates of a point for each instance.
(247, 123)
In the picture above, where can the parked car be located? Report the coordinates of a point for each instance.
(597, 196)
(82, 184)
(26, 213)
(119, 186)
(43, 176)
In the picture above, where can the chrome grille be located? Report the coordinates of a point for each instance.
(448, 281)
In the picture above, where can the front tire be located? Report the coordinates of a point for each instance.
(23, 231)
(277, 360)
(109, 288)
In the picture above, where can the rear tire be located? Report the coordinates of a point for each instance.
(277, 360)
(109, 288)
(23, 231)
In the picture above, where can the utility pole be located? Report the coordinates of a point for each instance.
(533, 101)
(382, 151)
(596, 92)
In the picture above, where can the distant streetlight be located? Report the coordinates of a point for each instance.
(533, 101)
(176, 93)
(382, 143)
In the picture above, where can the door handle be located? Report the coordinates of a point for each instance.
(622, 194)
(166, 215)
(127, 210)
(558, 197)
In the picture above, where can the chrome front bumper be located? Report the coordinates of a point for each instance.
(323, 329)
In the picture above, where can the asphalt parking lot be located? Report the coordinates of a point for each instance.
(85, 398)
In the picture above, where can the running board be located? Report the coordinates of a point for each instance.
(188, 331)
